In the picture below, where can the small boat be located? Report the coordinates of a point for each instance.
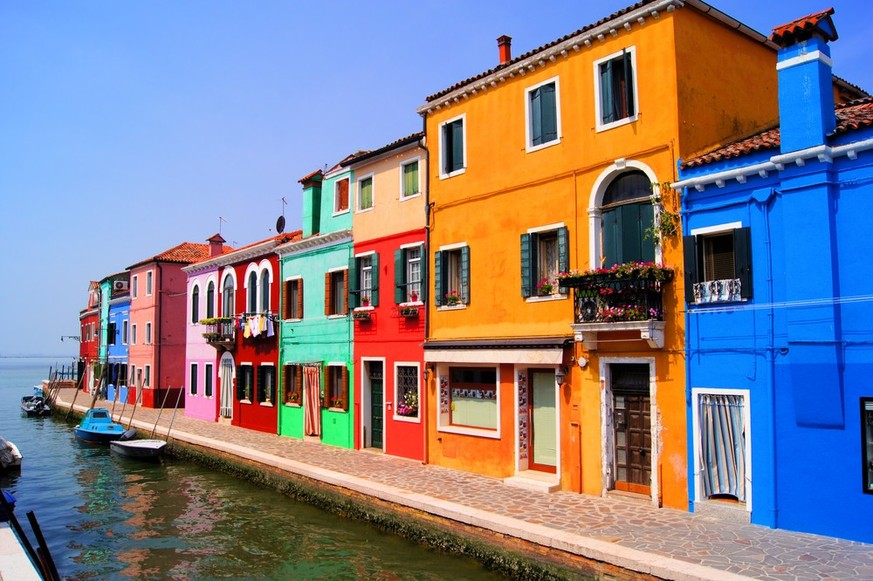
(35, 405)
(10, 457)
(97, 426)
(138, 449)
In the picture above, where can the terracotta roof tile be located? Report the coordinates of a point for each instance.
(361, 156)
(310, 176)
(803, 28)
(184, 253)
(851, 116)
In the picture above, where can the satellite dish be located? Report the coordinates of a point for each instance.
(280, 224)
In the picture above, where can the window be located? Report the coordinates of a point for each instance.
(718, 264)
(363, 273)
(452, 151)
(110, 334)
(293, 299)
(409, 184)
(409, 283)
(252, 292)
(207, 380)
(227, 297)
(210, 300)
(543, 255)
(337, 394)
(193, 382)
(265, 291)
(245, 381)
(406, 398)
(721, 445)
(136, 375)
(365, 193)
(867, 440)
(543, 115)
(452, 276)
(341, 196)
(148, 337)
(471, 398)
(133, 335)
(147, 381)
(293, 385)
(626, 216)
(266, 384)
(336, 289)
(124, 332)
(615, 93)
(135, 285)
(195, 304)
(149, 281)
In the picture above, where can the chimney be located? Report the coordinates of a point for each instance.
(504, 46)
(806, 95)
(216, 245)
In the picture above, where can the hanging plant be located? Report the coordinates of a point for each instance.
(667, 221)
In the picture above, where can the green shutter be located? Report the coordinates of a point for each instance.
(536, 119)
(646, 222)
(563, 252)
(548, 113)
(374, 295)
(354, 283)
(526, 270)
(438, 283)
(692, 270)
(465, 275)
(611, 240)
(399, 276)
(629, 83)
(743, 260)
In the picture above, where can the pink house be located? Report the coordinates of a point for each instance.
(157, 324)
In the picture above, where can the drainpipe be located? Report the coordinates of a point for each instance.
(425, 455)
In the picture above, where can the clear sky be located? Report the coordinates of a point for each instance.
(129, 127)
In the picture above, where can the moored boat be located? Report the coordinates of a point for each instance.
(35, 405)
(138, 449)
(97, 426)
(10, 457)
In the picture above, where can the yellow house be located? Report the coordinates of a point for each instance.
(550, 162)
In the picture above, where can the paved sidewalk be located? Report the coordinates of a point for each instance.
(663, 542)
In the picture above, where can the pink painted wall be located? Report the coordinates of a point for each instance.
(198, 351)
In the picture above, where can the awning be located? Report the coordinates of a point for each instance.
(530, 351)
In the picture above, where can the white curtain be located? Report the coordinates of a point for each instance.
(722, 445)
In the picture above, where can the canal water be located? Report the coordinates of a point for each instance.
(105, 517)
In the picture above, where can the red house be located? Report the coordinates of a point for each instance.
(89, 339)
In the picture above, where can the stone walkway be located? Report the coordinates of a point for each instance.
(662, 542)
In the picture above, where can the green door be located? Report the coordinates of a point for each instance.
(544, 421)
(376, 404)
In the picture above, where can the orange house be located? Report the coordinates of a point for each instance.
(551, 162)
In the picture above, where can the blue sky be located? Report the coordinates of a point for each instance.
(129, 127)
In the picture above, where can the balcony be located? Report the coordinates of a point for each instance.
(626, 297)
(220, 332)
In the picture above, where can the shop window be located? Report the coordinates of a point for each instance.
(471, 398)
(245, 382)
(867, 440)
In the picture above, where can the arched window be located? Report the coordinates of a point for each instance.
(253, 292)
(265, 290)
(195, 304)
(627, 215)
(227, 307)
(210, 300)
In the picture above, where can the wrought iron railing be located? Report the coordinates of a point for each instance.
(221, 330)
(607, 299)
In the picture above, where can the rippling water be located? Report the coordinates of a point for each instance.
(105, 517)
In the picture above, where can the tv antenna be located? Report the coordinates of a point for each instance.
(220, 220)
(280, 222)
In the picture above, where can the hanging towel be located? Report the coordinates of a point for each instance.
(269, 327)
(247, 331)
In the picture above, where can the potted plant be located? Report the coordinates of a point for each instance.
(413, 297)
(453, 297)
(409, 311)
(365, 300)
(545, 287)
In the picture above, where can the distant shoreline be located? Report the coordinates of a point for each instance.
(39, 356)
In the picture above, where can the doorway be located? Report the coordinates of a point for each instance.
(375, 375)
(542, 411)
(226, 377)
(632, 433)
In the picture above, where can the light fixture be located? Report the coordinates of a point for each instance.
(582, 362)
(560, 372)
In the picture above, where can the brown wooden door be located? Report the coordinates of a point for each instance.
(632, 425)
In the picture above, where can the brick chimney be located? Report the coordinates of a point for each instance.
(216, 245)
(504, 46)
(806, 95)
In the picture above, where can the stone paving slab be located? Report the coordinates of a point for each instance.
(663, 542)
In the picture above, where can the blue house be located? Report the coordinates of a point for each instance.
(117, 337)
(779, 316)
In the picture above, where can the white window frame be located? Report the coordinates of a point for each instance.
(125, 331)
(529, 147)
(403, 164)
(148, 332)
(150, 283)
(208, 371)
(195, 376)
(270, 402)
(372, 178)
(557, 294)
(336, 210)
(443, 371)
(422, 263)
(442, 174)
(600, 126)
(396, 394)
(247, 401)
(147, 381)
(696, 392)
(134, 293)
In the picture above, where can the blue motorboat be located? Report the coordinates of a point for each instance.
(97, 426)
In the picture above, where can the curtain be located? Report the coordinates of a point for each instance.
(312, 408)
(722, 445)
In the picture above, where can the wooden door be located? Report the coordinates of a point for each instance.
(376, 403)
(632, 425)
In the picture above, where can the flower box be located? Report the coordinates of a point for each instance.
(361, 315)
(409, 311)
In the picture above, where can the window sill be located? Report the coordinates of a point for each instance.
(459, 307)
(546, 298)
(266, 404)
(364, 210)
(532, 148)
(339, 316)
(291, 404)
(407, 419)
(481, 432)
(607, 126)
(337, 410)
(457, 172)
(411, 304)
(363, 309)
(245, 401)
(410, 196)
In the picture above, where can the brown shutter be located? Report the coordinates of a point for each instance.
(286, 292)
(345, 388)
(345, 292)
(299, 282)
(327, 297)
(298, 380)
